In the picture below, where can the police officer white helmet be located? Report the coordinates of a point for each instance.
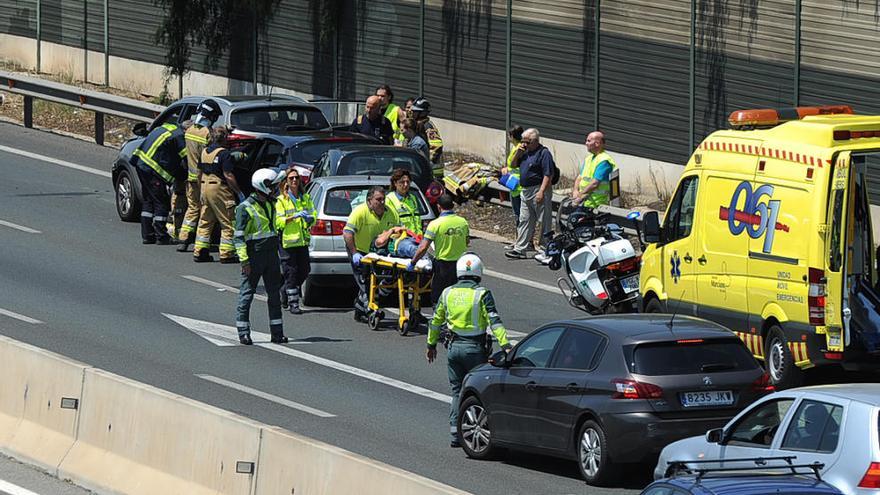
(469, 266)
(266, 179)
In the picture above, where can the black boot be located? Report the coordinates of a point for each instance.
(294, 302)
(245, 339)
(203, 257)
(279, 339)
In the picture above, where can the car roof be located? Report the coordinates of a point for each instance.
(352, 180)
(753, 484)
(344, 137)
(646, 328)
(867, 393)
(246, 101)
(364, 147)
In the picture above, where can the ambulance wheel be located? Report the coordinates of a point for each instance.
(779, 360)
(654, 306)
(374, 319)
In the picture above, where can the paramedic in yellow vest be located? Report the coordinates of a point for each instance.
(295, 215)
(470, 346)
(450, 235)
(403, 201)
(391, 111)
(197, 137)
(219, 192)
(593, 188)
(514, 135)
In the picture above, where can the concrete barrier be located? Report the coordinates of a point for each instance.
(137, 439)
(33, 425)
(291, 463)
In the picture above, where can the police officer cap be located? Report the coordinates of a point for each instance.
(421, 104)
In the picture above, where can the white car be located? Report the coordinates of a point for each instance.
(836, 425)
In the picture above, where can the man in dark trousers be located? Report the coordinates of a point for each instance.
(159, 160)
(373, 123)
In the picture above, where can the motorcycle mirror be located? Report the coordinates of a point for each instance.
(633, 215)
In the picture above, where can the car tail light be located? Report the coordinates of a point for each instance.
(632, 389)
(689, 341)
(816, 297)
(235, 140)
(763, 384)
(627, 265)
(834, 356)
(328, 227)
(871, 479)
(433, 192)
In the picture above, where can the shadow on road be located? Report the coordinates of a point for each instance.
(633, 476)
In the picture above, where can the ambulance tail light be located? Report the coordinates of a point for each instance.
(816, 297)
(769, 117)
(327, 227)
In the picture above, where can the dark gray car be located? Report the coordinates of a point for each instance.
(607, 390)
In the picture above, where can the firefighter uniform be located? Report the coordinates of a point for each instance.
(435, 145)
(449, 233)
(605, 166)
(256, 242)
(407, 209)
(295, 216)
(467, 310)
(218, 204)
(196, 141)
(158, 161)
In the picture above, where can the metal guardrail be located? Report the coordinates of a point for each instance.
(100, 103)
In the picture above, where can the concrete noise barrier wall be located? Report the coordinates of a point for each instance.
(115, 435)
(33, 382)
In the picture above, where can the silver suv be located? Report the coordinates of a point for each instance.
(334, 198)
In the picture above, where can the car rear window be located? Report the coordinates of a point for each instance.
(691, 356)
(341, 200)
(311, 151)
(279, 120)
(383, 163)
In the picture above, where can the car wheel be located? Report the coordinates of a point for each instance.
(654, 306)
(128, 205)
(779, 360)
(592, 449)
(474, 430)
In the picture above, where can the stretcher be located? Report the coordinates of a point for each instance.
(388, 273)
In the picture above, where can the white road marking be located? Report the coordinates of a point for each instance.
(261, 340)
(26, 319)
(221, 335)
(55, 161)
(19, 227)
(269, 397)
(7, 487)
(521, 281)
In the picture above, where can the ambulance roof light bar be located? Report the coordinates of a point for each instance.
(769, 117)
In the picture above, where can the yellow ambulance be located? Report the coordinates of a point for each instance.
(769, 233)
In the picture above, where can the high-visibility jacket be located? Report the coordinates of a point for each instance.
(254, 227)
(449, 233)
(392, 113)
(467, 310)
(602, 194)
(294, 233)
(513, 169)
(162, 151)
(407, 210)
(196, 141)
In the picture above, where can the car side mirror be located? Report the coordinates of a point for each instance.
(715, 435)
(651, 227)
(140, 129)
(499, 359)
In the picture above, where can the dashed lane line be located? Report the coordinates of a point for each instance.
(266, 396)
(522, 281)
(55, 161)
(19, 227)
(26, 319)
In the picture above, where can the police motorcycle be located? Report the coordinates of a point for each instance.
(601, 266)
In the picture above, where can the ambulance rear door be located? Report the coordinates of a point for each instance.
(831, 283)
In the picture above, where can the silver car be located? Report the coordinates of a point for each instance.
(334, 198)
(836, 425)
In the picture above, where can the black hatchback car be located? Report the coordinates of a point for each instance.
(607, 390)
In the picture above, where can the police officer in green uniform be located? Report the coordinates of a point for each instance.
(593, 188)
(404, 202)
(450, 234)
(469, 347)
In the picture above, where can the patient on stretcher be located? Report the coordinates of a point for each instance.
(397, 242)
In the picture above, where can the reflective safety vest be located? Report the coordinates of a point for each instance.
(513, 170)
(602, 194)
(407, 210)
(468, 310)
(294, 233)
(254, 222)
(196, 141)
(392, 113)
(209, 164)
(154, 145)
(449, 233)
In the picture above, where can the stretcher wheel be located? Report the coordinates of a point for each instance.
(403, 328)
(374, 319)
